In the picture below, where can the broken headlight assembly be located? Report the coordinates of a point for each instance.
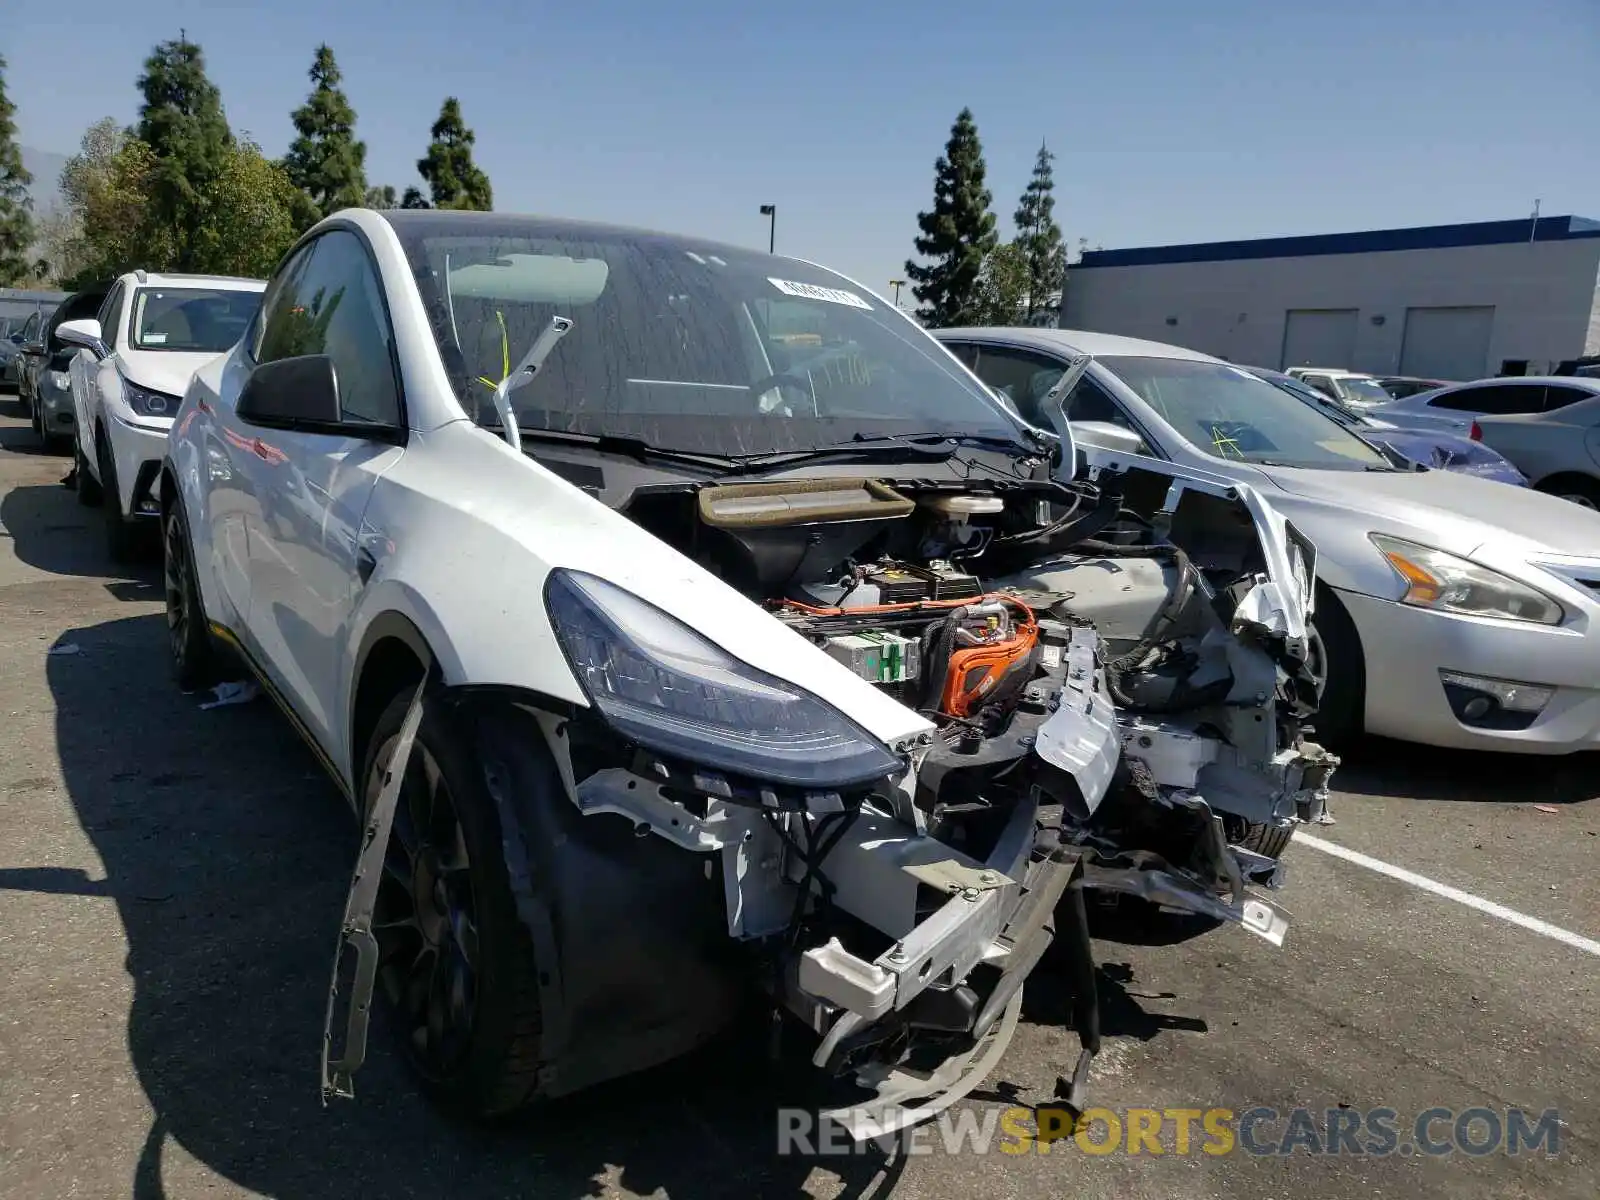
(1446, 583)
(659, 683)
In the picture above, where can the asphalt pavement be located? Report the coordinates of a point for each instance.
(171, 879)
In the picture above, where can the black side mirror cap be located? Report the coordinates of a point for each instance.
(292, 393)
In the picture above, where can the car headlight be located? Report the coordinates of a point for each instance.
(58, 379)
(1447, 583)
(147, 403)
(661, 684)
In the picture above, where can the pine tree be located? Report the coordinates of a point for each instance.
(452, 177)
(957, 235)
(325, 161)
(16, 206)
(1038, 235)
(182, 122)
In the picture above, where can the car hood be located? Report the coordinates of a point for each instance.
(1455, 512)
(166, 371)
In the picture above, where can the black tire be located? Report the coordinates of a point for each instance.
(122, 536)
(194, 659)
(1268, 840)
(490, 1066)
(1578, 489)
(1343, 672)
(89, 494)
(36, 419)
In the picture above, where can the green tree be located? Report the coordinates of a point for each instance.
(106, 188)
(182, 122)
(255, 218)
(957, 234)
(1003, 285)
(382, 197)
(16, 207)
(325, 161)
(454, 180)
(1038, 235)
(414, 199)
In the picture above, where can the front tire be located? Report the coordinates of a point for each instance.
(456, 964)
(1575, 489)
(89, 494)
(188, 633)
(122, 536)
(1340, 666)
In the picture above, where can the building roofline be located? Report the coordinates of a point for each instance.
(1425, 237)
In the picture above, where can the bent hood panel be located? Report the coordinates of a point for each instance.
(478, 528)
(1448, 509)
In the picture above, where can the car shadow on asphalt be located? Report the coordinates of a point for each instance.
(52, 532)
(1379, 767)
(21, 439)
(227, 854)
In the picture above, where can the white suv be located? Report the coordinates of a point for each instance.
(152, 333)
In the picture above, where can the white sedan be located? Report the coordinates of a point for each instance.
(685, 623)
(1455, 611)
(134, 362)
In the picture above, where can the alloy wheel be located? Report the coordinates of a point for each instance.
(426, 916)
(1580, 500)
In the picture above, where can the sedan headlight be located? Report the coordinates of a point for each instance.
(147, 403)
(58, 379)
(1447, 583)
(661, 684)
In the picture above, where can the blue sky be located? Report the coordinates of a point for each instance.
(1173, 120)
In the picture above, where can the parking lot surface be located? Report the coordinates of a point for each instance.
(171, 879)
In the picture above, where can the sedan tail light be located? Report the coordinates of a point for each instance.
(1476, 432)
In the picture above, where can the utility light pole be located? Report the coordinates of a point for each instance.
(897, 284)
(770, 211)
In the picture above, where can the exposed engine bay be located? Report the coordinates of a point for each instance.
(1110, 710)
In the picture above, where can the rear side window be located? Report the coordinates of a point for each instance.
(1500, 400)
(1560, 395)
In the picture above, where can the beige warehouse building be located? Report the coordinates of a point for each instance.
(1442, 301)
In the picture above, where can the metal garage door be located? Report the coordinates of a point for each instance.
(1319, 337)
(1447, 343)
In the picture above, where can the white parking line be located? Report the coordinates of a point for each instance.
(1510, 915)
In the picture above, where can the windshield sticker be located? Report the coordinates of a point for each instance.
(155, 339)
(810, 291)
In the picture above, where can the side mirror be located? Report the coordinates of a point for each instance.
(1103, 435)
(84, 333)
(292, 393)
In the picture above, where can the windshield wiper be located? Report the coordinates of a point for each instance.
(925, 445)
(631, 447)
(524, 371)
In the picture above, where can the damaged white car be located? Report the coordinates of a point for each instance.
(731, 644)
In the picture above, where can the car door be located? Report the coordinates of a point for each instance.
(230, 449)
(88, 372)
(310, 490)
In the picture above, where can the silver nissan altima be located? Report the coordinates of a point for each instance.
(1453, 611)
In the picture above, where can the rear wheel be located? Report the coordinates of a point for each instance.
(456, 965)
(1577, 489)
(188, 635)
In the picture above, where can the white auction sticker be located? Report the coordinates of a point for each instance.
(810, 291)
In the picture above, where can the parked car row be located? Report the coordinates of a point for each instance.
(688, 629)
